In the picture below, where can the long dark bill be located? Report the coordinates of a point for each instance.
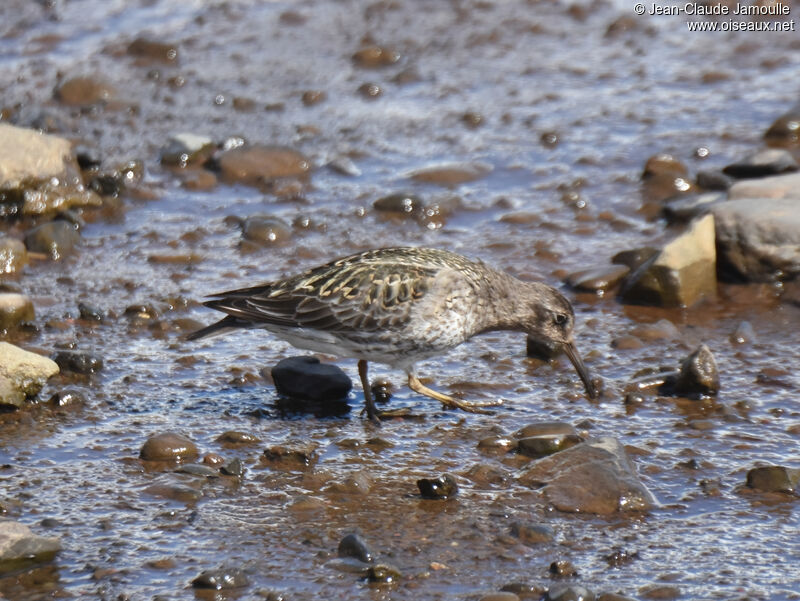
(575, 357)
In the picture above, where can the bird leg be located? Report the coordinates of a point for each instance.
(372, 412)
(448, 401)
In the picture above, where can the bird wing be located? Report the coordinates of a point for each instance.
(354, 294)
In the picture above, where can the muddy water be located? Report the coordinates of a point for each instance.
(569, 99)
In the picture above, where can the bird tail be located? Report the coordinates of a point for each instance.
(219, 327)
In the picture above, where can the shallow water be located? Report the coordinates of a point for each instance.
(529, 68)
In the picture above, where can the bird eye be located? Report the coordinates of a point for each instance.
(560, 319)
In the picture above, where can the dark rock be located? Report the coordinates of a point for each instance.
(302, 456)
(15, 309)
(67, 398)
(634, 258)
(234, 437)
(713, 180)
(534, 534)
(597, 279)
(661, 592)
(664, 164)
(771, 161)
(168, 446)
(543, 350)
(381, 573)
(545, 428)
(620, 557)
(13, 255)
(698, 374)
(501, 444)
(786, 128)
(774, 478)
(370, 91)
(78, 362)
(593, 477)
(352, 545)
(501, 596)
(187, 149)
(90, 312)
(84, 91)
(175, 491)
(56, 239)
(443, 487)
(686, 208)
(233, 467)
(758, 239)
(682, 273)
(196, 469)
(400, 203)
(259, 164)
(312, 97)
(563, 568)
(308, 379)
(568, 592)
(524, 590)
(221, 579)
(546, 444)
(153, 50)
(266, 230)
(614, 597)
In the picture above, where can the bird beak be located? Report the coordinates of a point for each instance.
(575, 357)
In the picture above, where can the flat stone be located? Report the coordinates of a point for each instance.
(771, 161)
(686, 208)
(681, 274)
(22, 374)
(597, 279)
(774, 478)
(546, 444)
(56, 239)
(593, 477)
(13, 255)
(758, 240)
(259, 164)
(28, 154)
(451, 174)
(19, 544)
(15, 309)
(84, 91)
(545, 428)
(777, 186)
(307, 378)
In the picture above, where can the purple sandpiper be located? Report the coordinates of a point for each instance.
(398, 306)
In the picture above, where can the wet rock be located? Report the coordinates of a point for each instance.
(682, 273)
(524, 590)
(358, 483)
(543, 350)
(771, 161)
(56, 239)
(232, 467)
(743, 334)
(546, 429)
(563, 568)
(307, 379)
(400, 203)
(663, 329)
(786, 128)
(344, 166)
(443, 487)
(67, 398)
(593, 477)
(546, 444)
(371, 57)
(22, 374)
(174, 491)
(382, 573)
(187, 149)
(90, 312)
(634, 258)
(265, 230)
(168, 446)
(78, 362)
(759, 239)
(501, 444)
(620, 557)
(686, 208)
(713, 180)
(664, 164)
(290, 456)
(18, 544)
(13, 255)
(486, 476)
(501, 596)
(698, 374)
(662, 592)
(569, 592)
(234, 437)
(774, 478)
(665, 176)
(597, 279)
(370, 91)
(775, 187)
(84, 91)
(258, 164)
(451, 175)
(532, 534)
(352, 545)
(472, 119)
(15, 309)
(614, 597)
(221, 579)
(197, 469)
(153, 50)
(312, 97)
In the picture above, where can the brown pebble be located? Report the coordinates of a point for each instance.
(168, 446)
(84, 91)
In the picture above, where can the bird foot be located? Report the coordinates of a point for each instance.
(452, 403)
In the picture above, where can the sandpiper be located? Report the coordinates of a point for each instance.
(398, 306)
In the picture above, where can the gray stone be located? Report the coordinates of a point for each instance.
(597, 279)
(713, 180)
(352, 545)
(55, 239)
(683, 272)
(569, 592)
(18, 543)
(774, 478)
(686, 208)
(13, 255)
(698, 374)
(22, 374)
(759, 239)
(222, 579)
(593, 477)
(777, 186)
(15, 309)
(771, 161)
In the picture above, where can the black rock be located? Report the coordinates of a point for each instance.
(307, 379)
(352, 545)
(90, 312)
(713, 180)
(542, 350)
(221, 579)
(699, 374)
(443, 487)
(78, 362)
(766, 162)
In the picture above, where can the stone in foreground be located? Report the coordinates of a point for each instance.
(18, 545)
(593, 477)
(22, 374)
(681, 274)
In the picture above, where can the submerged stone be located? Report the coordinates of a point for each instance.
(443, 487)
